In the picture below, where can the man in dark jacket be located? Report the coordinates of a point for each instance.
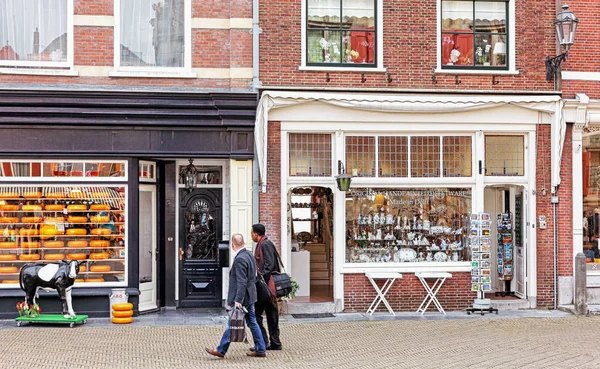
(242, 294)
(267, 263)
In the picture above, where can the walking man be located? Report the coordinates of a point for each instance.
(242, 293)
(267, 262)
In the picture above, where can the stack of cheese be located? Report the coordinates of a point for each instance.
(122, 313)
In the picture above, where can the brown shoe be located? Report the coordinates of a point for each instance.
(214, 352)
(256, 354)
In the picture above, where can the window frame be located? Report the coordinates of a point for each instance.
(509, 69)
(485, 155)
(376, 67)
(331, 143)
(158, 71)
(49, 65)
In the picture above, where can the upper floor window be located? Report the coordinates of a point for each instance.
(36, 33)
(474, 34)
(341, 33)
(152, 34)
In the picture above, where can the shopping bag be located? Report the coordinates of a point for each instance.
(237, 326)
(263, 293)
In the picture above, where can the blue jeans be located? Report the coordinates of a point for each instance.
(259, 342)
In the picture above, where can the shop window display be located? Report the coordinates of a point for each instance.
(407, 225)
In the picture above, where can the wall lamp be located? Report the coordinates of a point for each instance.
(343, 179)
(566, 25)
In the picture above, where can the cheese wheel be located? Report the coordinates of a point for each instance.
(8, 257)
(55, 195)
(9, 195)
(11, 269)
(122, 314)
(9, 219)
(77, 243)
(82, 269)
(99, 255)
(32, 208)
(79, 256)
(28, 232)
(51, 220)
(8, 245)
(54, 244)
(76, 194)
(32, 195)
(9, 207)
(99, 218)
(77, 207)
(76, 231)
(29, 257)
(125, 306)
(99, 243)
(101, 231)
(77, 219)
(79, 280)
(100, 268)
(99, 207)
(98, 195)
(48, 232)
(30, 244)
(54, 207)
(7, 281)
(31, 219)
(92, 280)
(54, 256)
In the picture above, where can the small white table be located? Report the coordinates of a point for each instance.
(390, 278)
(440, 278)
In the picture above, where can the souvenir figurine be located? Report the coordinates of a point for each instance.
(369, 219)
(389, 219)
(454, 256)
(376, 218)
(426, 224)
(444, 244)
(429, 256)
(378, 235)
(405, 222)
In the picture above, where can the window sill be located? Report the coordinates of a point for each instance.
(151, 74)
(40, 72)
(342, 69)
(477, 72)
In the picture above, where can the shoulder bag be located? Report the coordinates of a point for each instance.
(263, 293)
(283, 283)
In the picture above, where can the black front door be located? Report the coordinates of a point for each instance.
(200, 219)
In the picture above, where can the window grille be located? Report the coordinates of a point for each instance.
(504, 155)
(310, 154)
(360, 156)
(457, 156)
(393, 156)
(425, 156)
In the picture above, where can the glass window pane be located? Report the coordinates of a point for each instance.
(33, 30)
(360, 156)
(152, 33)
(310, 154)
(323, 13)
(358, 14)
(20, 169)
(83, 169)
(207, 175)
(324, 46)
(425, 156)
(457, 16)
(504, 156)
(393, 156)
(490, 16)
(359, 47)
(457, 156)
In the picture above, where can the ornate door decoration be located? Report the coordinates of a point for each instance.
(201, 233)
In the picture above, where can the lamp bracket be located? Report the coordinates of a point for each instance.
(494, 81)
(552, 65)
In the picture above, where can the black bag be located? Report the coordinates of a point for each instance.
(283, 283)
(263, 293)
(237, 326)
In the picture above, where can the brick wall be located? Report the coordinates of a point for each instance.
(407, 293)
(270, 202)
(409, 49)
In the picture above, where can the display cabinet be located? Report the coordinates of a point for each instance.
(49, 224)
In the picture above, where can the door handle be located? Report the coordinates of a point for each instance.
(180, 253)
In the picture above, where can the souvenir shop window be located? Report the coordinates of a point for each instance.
(360, 155)
(36, 33)
(504, 155)
(591, 202)
(393, 156)
(457, 153)
(341, 32)
(425, 156)
(310, 154)
(407, 225)
(474, 34)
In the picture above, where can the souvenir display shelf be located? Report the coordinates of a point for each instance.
(46, 225)
(505, 251)
(480, 244)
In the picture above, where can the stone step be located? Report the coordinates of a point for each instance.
(316, 247)
(310, 307)
(510, 304)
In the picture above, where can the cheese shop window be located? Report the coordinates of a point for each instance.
(88, 169)
(406, 225)
(47, 224)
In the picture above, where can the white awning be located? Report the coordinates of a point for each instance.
(404, 103)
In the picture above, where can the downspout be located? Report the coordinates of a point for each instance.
(554, 200)
(255, 31)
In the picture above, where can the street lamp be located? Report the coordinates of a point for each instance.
(343, 179)
(566, 25)
(189, 175)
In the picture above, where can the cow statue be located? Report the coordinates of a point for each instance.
(59, 277)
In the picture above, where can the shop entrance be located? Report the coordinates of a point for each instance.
(507, 208)
(148, 251)
(200, 277)
(311, 230)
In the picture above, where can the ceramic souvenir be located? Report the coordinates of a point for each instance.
(389, 219)
(440, 256)
(382, 218)
(426, 225)
(429, 256)
(455, 256)
(407, 255)
(376, 218)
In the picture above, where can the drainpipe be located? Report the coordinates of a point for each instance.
(255, 31)
(554, 201)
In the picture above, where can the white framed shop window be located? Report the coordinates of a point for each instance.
(37, 36)
(147, 171)
(63, 170)
(152, 40)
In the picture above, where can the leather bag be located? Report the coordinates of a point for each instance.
(263, 293)
(283, 283)
(237, 326)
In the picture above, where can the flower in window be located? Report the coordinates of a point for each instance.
(454, 54)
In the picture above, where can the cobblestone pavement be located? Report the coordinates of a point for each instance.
(479, 342)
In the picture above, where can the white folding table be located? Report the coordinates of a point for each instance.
(390, 278)
(440, 278)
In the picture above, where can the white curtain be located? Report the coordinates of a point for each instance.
(152, 33)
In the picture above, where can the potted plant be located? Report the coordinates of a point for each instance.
(282, 303)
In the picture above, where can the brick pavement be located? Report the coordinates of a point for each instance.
(479, 342)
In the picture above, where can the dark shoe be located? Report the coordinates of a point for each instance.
(214, 352)
(271, 347)
(251, 348)
(256, 354)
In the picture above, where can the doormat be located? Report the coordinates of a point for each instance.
(318, 315)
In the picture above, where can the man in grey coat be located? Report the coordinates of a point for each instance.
(242, 294)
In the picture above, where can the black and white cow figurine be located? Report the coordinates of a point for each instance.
(59, 277)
